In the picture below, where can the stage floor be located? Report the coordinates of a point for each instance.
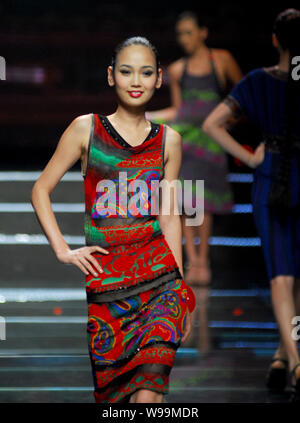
(44, 353)
(44, 357)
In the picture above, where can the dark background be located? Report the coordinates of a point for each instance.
(57, 55)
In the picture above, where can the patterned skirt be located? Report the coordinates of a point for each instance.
(133, 341)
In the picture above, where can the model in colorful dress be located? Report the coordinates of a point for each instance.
(197, 84)
(270, 98)
(138, 303)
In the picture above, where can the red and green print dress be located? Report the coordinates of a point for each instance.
(137, 307)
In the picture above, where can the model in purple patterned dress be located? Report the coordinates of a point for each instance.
(197, 83)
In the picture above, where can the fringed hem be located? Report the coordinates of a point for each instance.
(152, 382)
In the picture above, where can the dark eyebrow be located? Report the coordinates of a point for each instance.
(146, 66)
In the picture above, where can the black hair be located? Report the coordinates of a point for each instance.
(286, 27)
(137, 40)
(189, 14)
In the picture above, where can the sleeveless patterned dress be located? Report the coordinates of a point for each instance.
(137, 307)
(202, 157)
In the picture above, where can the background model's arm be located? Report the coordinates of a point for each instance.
(169, 113)
(214, 127)
(232, 70)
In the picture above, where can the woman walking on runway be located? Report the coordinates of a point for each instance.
(197, 83)
(138, 303)
(270, 98)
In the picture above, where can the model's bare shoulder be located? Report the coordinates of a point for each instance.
(81, 126)
(225, 64)
(83, 120)
(173, 135)
(219, 52)
(222, 54)
(173, 142)
(175, 69)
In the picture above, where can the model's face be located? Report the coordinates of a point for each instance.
(135, 78)
(189, 35)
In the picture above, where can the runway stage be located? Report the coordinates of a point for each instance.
(44, 357)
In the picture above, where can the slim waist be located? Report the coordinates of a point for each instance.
(276, 143)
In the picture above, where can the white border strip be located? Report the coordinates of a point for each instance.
(46, 319)
(27, 239)
(80, 208)
(76, 294)
(20, 176)
(27, 207)
(77, 176)
(41, 294)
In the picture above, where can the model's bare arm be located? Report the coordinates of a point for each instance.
(175, 71)
(214, 127)
(169, 113)
(68, 151)
(169, 221)
(232, 70)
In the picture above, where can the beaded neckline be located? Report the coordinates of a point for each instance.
(155, 127)
(277, 73)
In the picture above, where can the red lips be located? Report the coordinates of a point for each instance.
(135, 94)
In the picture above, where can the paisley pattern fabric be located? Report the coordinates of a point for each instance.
(133, 342)
(137, 307)
(138, 251)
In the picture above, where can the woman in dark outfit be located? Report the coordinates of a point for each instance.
(270, 98)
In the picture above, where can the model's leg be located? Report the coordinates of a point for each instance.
(297, 296)
(281, 351)
(146, 396)
(189, 233)
(204, 230)
(204, 341)
(284, 310)
(276, 233)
